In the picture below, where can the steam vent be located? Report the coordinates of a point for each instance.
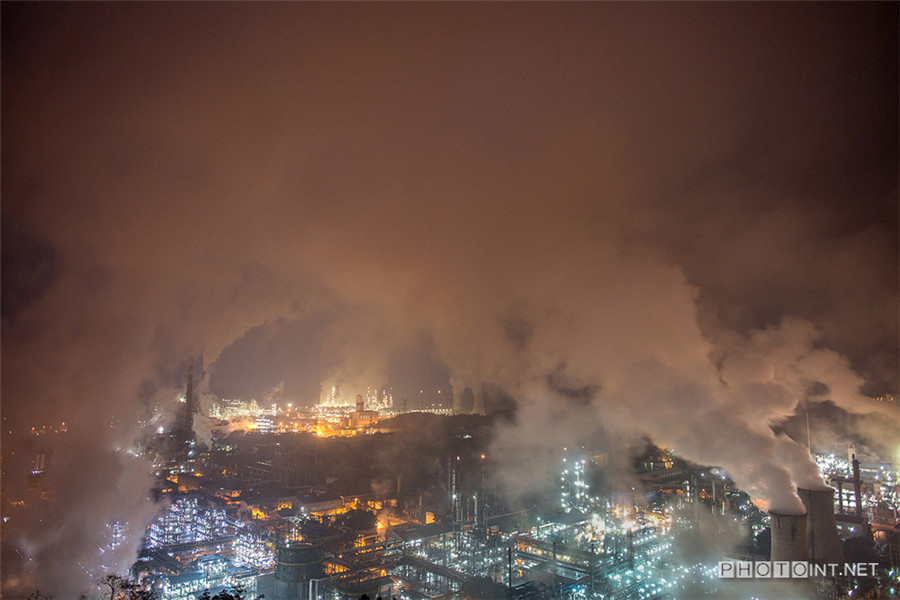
(789, 538)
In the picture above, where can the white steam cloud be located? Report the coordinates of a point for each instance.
(594, 208)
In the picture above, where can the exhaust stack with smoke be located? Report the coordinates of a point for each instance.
(789, 537)
(824, 544)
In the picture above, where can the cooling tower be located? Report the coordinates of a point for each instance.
(478, 405)
(789, 541)
(457, 404)
(824, 544)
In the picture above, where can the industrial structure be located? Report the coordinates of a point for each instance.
(180, 443)
(193, 545)
(478, 404)
(263, 514)
(823, 541)
(185, 429)
(789, 537)
(296, 564)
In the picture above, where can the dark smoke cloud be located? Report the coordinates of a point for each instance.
(670, 220)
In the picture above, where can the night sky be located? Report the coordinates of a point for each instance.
(671, 219)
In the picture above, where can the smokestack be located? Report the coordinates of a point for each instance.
(824, 544)
(789, 539)
(189, 394)
(478, 405)
(360, 403)
(857, 495)
(185, 430)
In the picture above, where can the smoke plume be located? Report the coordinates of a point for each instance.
(672, 220)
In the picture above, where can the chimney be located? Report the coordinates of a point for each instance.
(360, 403)
(857, 495)
(789, 539)
(824, 544)
(189, 393)
(185, 431)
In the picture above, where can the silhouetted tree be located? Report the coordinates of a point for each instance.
(235, 593)
(136, 592)
(115, 584)
(121, 588)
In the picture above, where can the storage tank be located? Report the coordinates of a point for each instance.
(789, 539)
(295, 564)
(824, 543)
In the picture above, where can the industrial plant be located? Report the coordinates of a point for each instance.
(363, 500)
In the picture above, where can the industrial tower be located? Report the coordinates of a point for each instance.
(184, 434)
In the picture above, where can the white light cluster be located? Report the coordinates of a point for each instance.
(185, 521)
(228, 410)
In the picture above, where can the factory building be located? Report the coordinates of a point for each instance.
(362, 418)
(194, 545)
(215, 577)
(186, 521)
(184, 586)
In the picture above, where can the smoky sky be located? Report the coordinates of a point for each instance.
(619, 214)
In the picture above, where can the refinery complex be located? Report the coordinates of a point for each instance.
(333, 502)
(450, 301)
